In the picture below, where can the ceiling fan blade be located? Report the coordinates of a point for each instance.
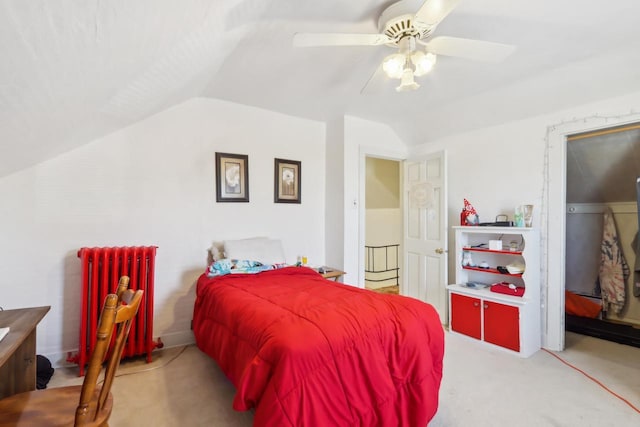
(477, 50)
(338, 39)
(434, 11)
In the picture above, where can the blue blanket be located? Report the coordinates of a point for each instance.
(238, 266)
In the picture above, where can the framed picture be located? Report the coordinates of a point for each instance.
(287, 181)
(232, 177)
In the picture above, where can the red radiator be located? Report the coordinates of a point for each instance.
(101, 271)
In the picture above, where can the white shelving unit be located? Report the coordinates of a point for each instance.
(509, 322)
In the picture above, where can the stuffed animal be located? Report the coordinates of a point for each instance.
(467, 261)
(470, 214)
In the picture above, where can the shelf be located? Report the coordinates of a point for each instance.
(485, 250)
(474, 229)
(491, 271)
(486, 293)
(505, 321)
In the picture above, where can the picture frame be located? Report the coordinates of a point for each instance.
(232, 177)
(287, 181)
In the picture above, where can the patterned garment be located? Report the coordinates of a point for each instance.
(636, 268)
(614, 269)
(238, 266)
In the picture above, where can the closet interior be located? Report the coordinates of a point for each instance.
(602, 283)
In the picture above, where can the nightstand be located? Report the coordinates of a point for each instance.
(331, 273)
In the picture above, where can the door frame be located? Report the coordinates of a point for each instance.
(380, 153)
(554, 228)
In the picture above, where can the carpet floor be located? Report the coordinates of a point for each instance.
(481, 386)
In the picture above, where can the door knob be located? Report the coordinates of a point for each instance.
(439, 251)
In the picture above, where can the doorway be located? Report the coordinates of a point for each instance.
(423, 270)
(602, 298)
(554, 210)
(383, 225)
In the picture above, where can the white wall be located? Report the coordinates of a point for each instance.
(153, 184)
(335, 201)
(499, 167)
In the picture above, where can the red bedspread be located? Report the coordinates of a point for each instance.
(305, 351)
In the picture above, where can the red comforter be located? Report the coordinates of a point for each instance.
(305, 351)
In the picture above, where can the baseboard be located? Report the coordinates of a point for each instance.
(176, 339)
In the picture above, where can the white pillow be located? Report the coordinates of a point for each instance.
(217, 249)
(261, 249)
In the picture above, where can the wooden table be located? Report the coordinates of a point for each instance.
(332, 273)
(18, 349)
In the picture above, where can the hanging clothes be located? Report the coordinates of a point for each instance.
(614, 269)
(636, 268)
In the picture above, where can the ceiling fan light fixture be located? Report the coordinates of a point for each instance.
(407, 25)
(394, 65)
(407, 82)
(423, 62)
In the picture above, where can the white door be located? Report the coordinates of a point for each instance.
(425, 231)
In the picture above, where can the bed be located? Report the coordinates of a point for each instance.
(305, 351)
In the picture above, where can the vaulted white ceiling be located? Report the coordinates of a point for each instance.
(72, 70)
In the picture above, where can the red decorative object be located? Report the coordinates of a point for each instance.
(507, 288)
(470, 214)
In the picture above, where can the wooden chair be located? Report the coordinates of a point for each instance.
(123, 284)
(83, 405)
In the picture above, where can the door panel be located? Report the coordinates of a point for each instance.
(434, 226)
(501, 325)
(433, 274)
(414, 223)
(465, 315)
(434, 168)
(425, 237)
(411, 284)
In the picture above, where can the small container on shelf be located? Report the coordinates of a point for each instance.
(495, 245)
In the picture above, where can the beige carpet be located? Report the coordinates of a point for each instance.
(481, 387)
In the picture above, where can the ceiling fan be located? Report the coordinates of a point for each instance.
(409, 30)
